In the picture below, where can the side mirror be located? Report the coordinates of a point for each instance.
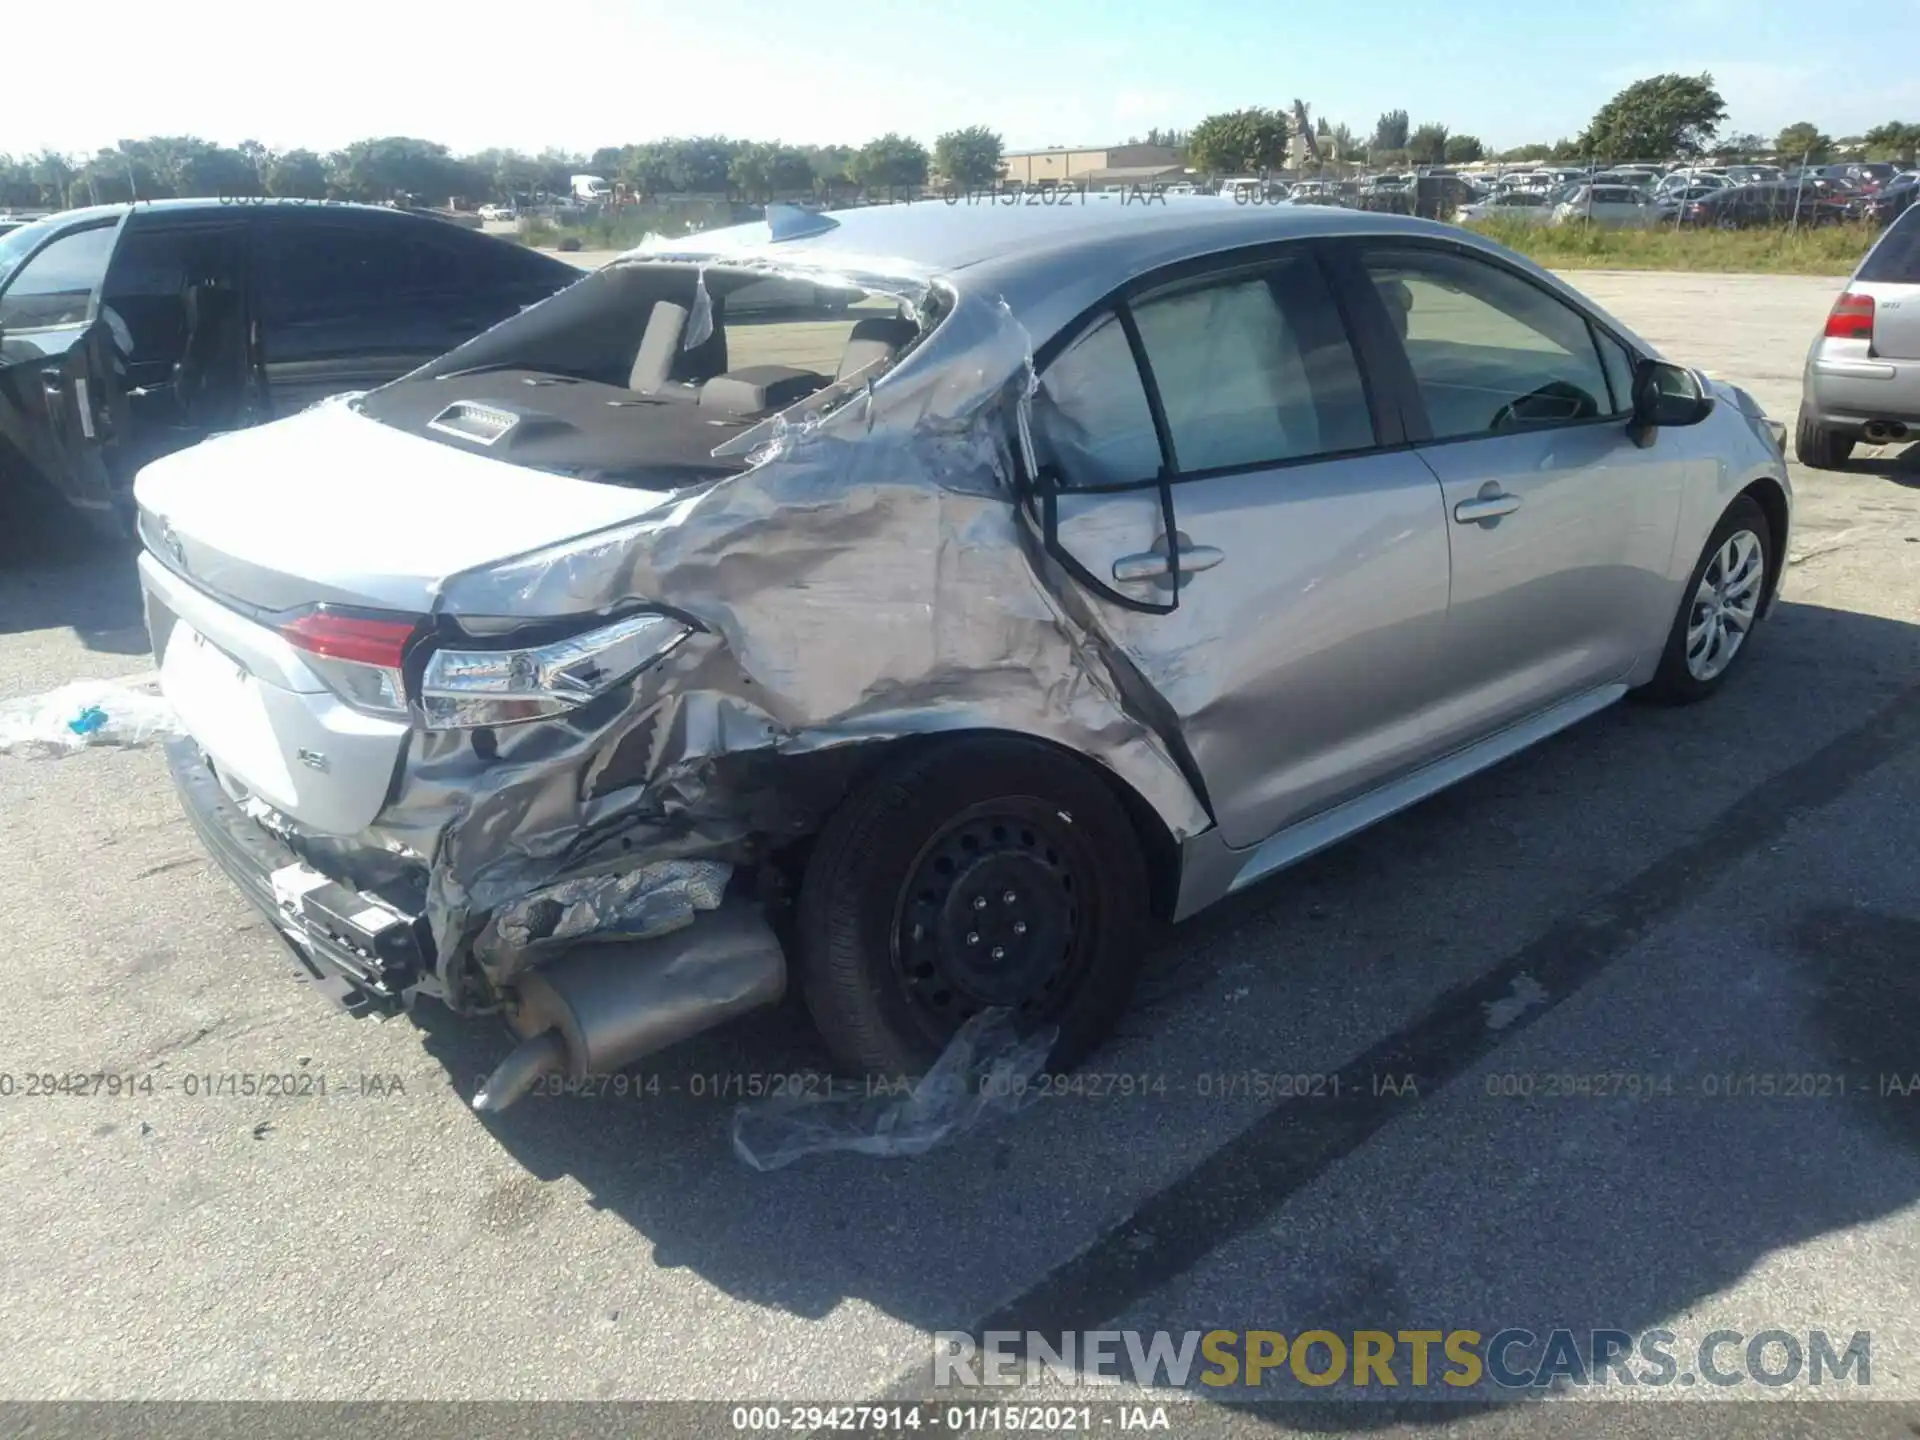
(1666, 395)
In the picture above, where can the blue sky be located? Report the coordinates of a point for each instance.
(583, 73)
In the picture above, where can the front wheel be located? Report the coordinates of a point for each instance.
(988, 872)
(1719, 608)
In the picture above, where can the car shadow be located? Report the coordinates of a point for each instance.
(1899, 465)
(55, 572)
(1371, 938)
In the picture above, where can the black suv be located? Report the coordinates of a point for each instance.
(127, 331)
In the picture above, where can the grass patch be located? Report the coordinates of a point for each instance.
(626, 227)
(1775, 250)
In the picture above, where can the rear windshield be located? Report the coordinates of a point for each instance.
(1896, 258)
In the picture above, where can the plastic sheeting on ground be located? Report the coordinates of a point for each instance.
(84, 714)
(986, 1070)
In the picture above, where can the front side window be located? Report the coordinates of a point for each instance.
(1490, 352)
(56, 286)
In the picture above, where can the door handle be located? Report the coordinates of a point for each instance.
(1490, 504)
(1152, 564)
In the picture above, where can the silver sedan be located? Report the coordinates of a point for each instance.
(1101, 558)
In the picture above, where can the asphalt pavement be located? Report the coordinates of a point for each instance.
(1699, 898)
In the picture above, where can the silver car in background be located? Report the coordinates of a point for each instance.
(1091, 563)
(1862, 381)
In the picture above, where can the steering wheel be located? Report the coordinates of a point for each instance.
(1557, 400)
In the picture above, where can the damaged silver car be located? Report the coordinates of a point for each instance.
(916, 601)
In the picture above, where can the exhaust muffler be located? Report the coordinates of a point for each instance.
(1879, 432)
(600, 1007)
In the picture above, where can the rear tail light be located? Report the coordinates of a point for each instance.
(465, 689)
(358, 655)
(361, 657)
(1851, 318)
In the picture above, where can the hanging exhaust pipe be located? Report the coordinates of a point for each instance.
(601, 1007)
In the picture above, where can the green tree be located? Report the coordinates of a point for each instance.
(790, 172)
(1893, 141)
(1741, 145)
(1464, 149)
(970, 157)
(1658, 118)
(1239, 141)
(54, 176)
(647, 169)
(1523, 154)
(1804, 139)
(17, 187)
(299, 173)
(1428, 144)
(891, 162)
(751, 171)
(1345, 143)
(1391, 131)
(396, 166)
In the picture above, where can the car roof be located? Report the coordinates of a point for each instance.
(1049, 264)
(190, 204)
(934, 238)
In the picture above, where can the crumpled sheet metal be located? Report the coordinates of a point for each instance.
(643, 904)
(866, 579)
(985, 1071)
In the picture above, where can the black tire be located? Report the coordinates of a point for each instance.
(881, 936)
(1674, 683)
(1819, 447)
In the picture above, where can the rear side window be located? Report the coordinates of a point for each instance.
(1253, 369)
(56, 286)
(1091, 420)
(330, 269)
(473, 259)
(1896, 259)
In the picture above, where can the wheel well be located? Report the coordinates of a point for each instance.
(1157, 844)
(1772, 501)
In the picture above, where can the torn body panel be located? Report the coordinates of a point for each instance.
(867, 580)
(863, 577)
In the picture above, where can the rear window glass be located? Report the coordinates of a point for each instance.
(1897, 257)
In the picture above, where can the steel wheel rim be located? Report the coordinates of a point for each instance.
(961, 945)
(1725, 604)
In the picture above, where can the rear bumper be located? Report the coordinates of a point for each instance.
(1845, 395)
(361, 951)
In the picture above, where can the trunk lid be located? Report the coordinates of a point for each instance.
(331, 506)
(1896, 317)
